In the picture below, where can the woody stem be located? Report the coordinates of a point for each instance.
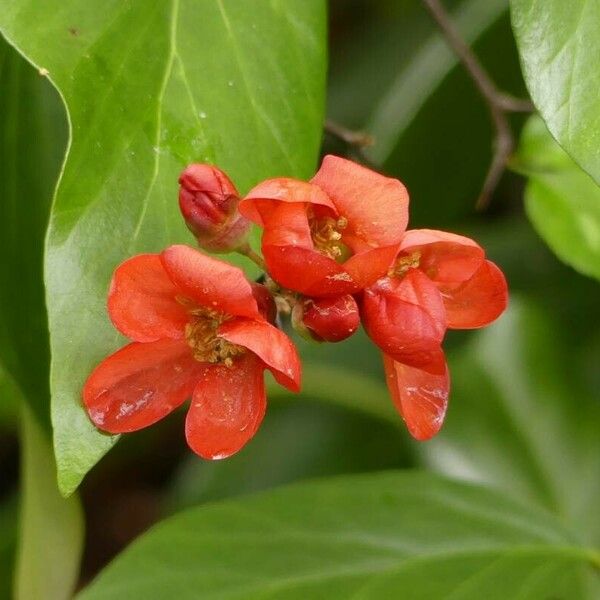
(499, 104)
(349, 136)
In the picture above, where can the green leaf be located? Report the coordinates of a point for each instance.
(562, 200)
(521, 418)
(8, 542)
(387, 535)
(9, 403)
(559, 46)
(33, 135)
(301, 438)
(149, 88)
(51, 527)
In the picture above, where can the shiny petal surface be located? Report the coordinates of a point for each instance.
(258, 204)
(287, 225)
(478, 301)
(367, 267)
(421, 396)
(227, 408)
(140, 384)
(273, 347)
(376, 206)
(210, 282)
(405, 318)
(308, 271)
(331, 319)
(141, 301)
(444, 257)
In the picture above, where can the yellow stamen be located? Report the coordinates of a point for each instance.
(326, 234)
(201, 335)
(404, 263)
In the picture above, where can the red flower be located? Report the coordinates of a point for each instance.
(334, 235)
(197, 330)
(438, 281)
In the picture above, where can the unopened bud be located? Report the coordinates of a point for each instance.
(209, 204)
(331, 319)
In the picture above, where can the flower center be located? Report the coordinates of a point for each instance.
(201, 336)
(326, 234)
(404, 263)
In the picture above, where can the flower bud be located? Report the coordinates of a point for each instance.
(331, 319)
(209, 204)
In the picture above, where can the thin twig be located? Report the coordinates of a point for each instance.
(499, 103)
(257, 259)
(356, 141)
(360, 139)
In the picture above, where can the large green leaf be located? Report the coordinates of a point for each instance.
(559, 47)
(562, 200)
(51, 527)
(32, 140)
(300, 438)
(33, 135)
(522, 419)
(395, 535)
(150, 87)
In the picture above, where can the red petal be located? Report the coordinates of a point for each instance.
(210, 282)
(445, 257)
(258, 204)
(367, 267)
(478, 301)
(308, 271)
(227, 408)
(420, 396)
(265, 301)
(140, 384)
(141, 301)
(271, 345)
(405, 317)
(287, 225)
(376, 206)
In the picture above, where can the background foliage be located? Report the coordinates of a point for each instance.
(140, 89)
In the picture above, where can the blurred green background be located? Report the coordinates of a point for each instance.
(523, 390)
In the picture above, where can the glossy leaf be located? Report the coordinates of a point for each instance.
(33, 135)
(559, 47)
(521, 418)
(301, 437)
(562, 200)
(51, 527)
(149, 88)
(388, 535)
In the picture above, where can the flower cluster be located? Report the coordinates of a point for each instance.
(336, 253)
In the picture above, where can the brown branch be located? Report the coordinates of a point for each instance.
(499, 103)
(360, 139)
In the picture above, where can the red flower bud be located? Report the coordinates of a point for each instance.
(331, 319)
(209, 204)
